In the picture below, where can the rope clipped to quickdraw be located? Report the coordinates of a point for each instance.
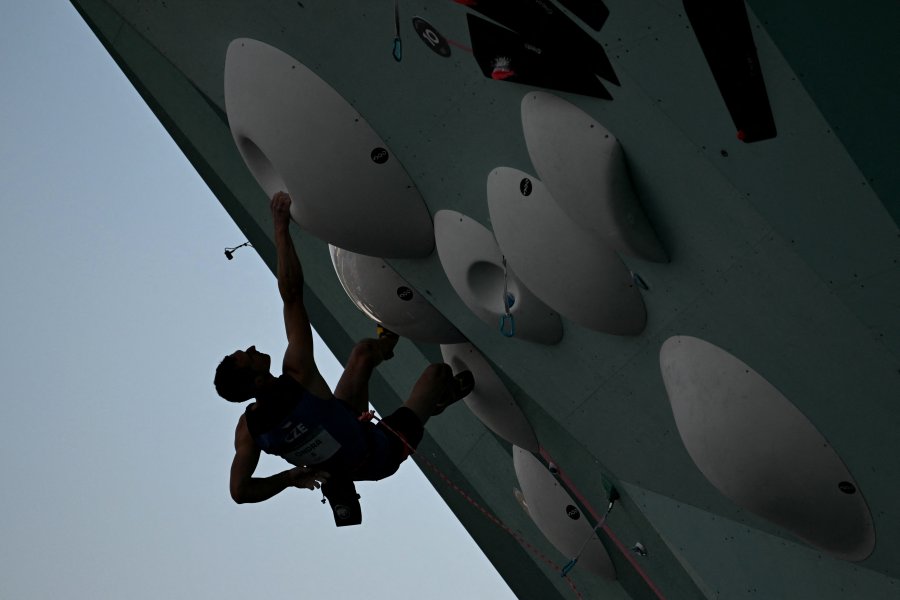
(508, 301)
(370, 415)
(571, 564)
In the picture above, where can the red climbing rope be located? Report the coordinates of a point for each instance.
(368, 416)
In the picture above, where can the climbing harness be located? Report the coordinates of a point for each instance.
(508, 301)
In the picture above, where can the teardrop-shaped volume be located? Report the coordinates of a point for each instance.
(566, 266)
(297, 134)
(760, 451)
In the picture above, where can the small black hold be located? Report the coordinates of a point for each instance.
(404, 293)
(525, 186)
(573, 512)
(724, 153)
(380, 155)
(847, 487)
(431, 36)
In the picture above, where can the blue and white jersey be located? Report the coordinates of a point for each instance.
(306, 430)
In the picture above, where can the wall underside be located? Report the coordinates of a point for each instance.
(780, 257)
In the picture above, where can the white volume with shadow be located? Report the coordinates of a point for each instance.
(760, 451)
(387, 298)
(568, 267)
(297, 134)
(474, 265)
(583, 165)
(489, 400)
(558, 517)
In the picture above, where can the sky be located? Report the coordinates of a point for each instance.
(117, 305)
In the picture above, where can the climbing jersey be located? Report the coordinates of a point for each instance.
(306, 430)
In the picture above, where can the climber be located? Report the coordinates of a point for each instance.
(296, 416)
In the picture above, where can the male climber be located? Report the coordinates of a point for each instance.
(297, 417)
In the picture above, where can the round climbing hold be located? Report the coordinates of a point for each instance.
(431, 36)
(379, 155)
(847, 487)
(525, 186)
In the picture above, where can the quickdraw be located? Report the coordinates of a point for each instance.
(508, 301)
(398, 43)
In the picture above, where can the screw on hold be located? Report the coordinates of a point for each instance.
(525, 186)
(379, 155)
(639, 549)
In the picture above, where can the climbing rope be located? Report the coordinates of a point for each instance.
(370, 415)
(508, 301)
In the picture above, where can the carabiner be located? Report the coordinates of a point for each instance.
(512, 325)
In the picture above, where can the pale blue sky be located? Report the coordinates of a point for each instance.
(117, 304)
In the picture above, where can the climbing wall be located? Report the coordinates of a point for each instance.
(631, 220)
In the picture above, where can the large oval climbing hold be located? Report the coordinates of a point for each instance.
(760, 451)
(489, 400)
(555, 513)
(566, 266)
(387, 298)
(583, 165)
(297, 134)
(474, 265)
